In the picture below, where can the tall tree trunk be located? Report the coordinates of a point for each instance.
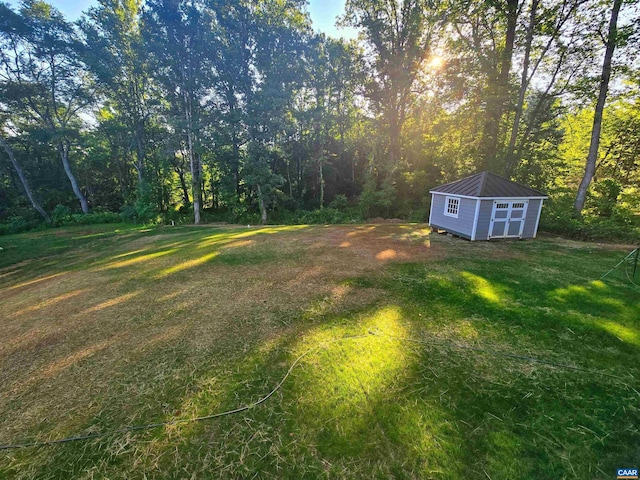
(139, 164)
(263, 208)
(321, 178)
(236, 164)
(590, 168)
(395, 128)
(299, 178)
(193, 165)
(289, 178)
(235, 141)
(63, 150)
(214, 192)
(23, 179)
(499, 90)
(524, 84)
(183, 186)
(203, 186)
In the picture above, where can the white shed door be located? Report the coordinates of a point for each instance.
(507, 218)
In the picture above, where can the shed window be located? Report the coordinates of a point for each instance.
(451, 207)
(518, 205)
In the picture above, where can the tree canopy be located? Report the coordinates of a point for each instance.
(239, 111)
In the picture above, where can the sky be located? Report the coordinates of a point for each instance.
(323, 14)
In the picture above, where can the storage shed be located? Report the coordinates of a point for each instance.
(485, 206)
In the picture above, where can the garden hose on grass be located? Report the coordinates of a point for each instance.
(630, 259)
(249, 406)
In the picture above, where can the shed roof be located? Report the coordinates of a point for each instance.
(487, 184)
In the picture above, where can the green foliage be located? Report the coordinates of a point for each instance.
(243, 216)
(60, 215)
(339, 202)
(93, 218)
(143, 210)
(140, 212)
(604, 196)
(323, 216)
(418, 216)
(274, 119)
(18, 224)
(377, 200)
(558, 217)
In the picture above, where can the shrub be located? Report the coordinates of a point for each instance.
(418, 216)
(60, 215)
(16, 224)
(322, 216)
(339, 202)
(94, 218)
(139, 212)
(557, 217)
(604, 197)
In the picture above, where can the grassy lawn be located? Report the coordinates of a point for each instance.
(113, 326)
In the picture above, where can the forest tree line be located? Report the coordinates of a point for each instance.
(239, 110)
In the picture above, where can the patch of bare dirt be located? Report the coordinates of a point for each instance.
(367, 246)
(380, 220)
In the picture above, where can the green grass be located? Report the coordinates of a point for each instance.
(111, 326)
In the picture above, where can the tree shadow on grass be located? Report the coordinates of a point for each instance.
(562, 318)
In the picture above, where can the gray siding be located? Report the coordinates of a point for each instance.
(529, 230)
(484, 219)
(463, 225)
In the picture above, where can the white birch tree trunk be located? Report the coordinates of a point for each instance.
(23, 179)
(63, 150)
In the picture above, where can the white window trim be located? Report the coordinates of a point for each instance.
(446, 206)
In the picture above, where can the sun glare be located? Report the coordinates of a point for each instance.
(436, 62)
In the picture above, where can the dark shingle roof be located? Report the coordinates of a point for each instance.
(487, 184)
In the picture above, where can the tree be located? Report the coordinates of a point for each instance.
(280, 31)
(324, 113)
(483, 35)
(115, 55)
(558, 50)
(23, 179)
(177, 34)
(594, 144)
(232, 49)
(400, 36)
(498, 91)
(42, 76)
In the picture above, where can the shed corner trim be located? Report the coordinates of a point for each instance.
(475, 220)
(535, 230)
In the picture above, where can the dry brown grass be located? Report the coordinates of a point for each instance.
(72, 329)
